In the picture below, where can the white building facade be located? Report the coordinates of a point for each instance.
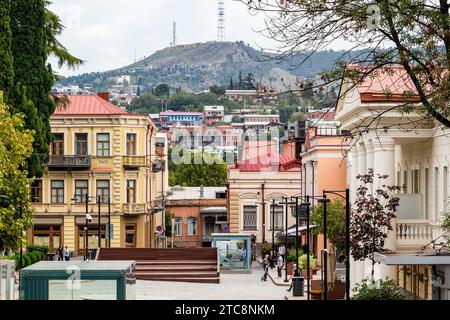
(414, 152)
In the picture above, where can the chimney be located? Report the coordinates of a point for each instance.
(104, 95)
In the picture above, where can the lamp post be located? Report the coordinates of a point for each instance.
(347, 236)
(88, 217)
(109, 222)
(324, 202)
(272, 207)
(296, 236)
(286, 203)
(308, 264)
(99, 224)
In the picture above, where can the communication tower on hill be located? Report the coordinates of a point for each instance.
(174, 35)
(221, 22)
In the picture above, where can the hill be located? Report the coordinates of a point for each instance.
(196, 67)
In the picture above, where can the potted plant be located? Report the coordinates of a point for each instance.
(290, 258)
(377, 290)
(302, 263)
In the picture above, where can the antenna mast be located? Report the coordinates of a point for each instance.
(221, 22)
(174, 34)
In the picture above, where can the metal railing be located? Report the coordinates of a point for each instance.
(72, 161)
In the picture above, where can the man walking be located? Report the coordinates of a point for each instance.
(279, 265)
(66, 254)
(282, 251)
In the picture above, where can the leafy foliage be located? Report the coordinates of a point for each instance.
(212, 171)
(6, 59)
(15, 147)
(372, 217)
(445, 226)
(33, 79)
(335, 223)
(377, 290)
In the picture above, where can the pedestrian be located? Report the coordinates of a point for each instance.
(253, 251)
(60, 254)
(294, 270)
(244, 257)
(279, 265)
(265, 264)
(66, 254)
(282, 251)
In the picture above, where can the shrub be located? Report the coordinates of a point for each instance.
(41, 248)
(377, 290)
(291, 254)
(302, 261)
(33, 257)
(26, 260)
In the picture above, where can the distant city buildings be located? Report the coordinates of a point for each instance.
(214, 114)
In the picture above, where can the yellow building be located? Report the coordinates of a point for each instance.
(101, 150)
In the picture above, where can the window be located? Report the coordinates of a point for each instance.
(277, 218)
(36, 191)
(81, 144)
(415, 181)
(103, 146)
(81, 189)
(221, 195)
(177, 227)
(131, 191)
(427, 194)
(405, 181)
(249, 217)
(436, 193)
(57, 187)
(192, 226)
(445, 188)
(103, 190)
(131, 144)
(57, 148)
(130, 235)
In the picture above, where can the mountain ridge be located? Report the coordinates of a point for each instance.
(197, 66)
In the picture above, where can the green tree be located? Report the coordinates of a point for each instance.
(138, 91)
(209, 173)
(414, 34)
(6, 58)
(297, 116)
(33, 79)
(15, 147)
(162, 90)
(335, 225)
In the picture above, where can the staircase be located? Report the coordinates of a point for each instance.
(171, 264)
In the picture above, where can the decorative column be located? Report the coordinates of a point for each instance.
(355, 275)
(362, 169)
(369, 165)
(384, 164)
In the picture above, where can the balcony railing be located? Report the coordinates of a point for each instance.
(64, 162)
(133, 162)
(133, 208)
(415, 233)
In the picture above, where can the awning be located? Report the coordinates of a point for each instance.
(413, 258)
(215, 210)
(291, 231)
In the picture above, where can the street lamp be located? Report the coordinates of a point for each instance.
(272, 209)
(88, 219)
(347, 235)
(324, 201)
(286, 204)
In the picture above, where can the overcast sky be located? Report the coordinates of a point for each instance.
(106, 33)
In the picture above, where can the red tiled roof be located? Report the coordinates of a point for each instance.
(88, 105)
(390, 84)
(268, 162)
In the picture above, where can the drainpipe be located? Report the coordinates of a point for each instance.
(148, 193)
(263, 214)
(228, 204)
(312, 182)
(304, 183)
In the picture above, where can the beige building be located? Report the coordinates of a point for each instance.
(253, 185)
(100, 150)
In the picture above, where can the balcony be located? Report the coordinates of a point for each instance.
(133, 208)
(414, 233)
(61, 162)
(133, 162)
